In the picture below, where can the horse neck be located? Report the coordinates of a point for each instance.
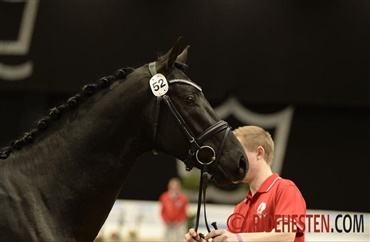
(88, 155)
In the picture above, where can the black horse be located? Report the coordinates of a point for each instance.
(60, 181)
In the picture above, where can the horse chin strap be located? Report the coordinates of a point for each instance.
(196, 149)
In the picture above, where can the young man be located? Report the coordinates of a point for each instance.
(273, 210)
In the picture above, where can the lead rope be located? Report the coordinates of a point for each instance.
(202, 192)
(202, 196)
(203, 186)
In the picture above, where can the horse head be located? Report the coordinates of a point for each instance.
(184, 125)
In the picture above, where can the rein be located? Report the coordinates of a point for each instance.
(196, 148)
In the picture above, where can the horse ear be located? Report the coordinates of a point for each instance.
(183, 56)
(167, 61)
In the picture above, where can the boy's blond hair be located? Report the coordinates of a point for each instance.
(253, 136)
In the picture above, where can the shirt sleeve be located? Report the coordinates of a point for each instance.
(290, 205)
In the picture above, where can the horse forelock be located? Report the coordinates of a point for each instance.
(71, 104)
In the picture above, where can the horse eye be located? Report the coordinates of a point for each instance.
(189, 99)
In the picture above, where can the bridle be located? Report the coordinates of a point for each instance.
(196, 148)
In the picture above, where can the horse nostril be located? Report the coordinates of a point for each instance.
(243, 166)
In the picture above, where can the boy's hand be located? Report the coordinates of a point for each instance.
(221, 235)
(192, 236)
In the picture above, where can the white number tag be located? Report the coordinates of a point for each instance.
(159, 85)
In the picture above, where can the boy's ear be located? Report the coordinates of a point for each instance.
(260, 152)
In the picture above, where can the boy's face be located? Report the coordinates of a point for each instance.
(252, 159)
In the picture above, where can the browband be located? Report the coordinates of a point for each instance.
(153, 71)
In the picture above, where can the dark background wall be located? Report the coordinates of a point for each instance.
(311, 55)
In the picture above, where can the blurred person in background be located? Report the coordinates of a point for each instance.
(174, 204)
(273, 209)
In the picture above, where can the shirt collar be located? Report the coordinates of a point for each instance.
(266, 185)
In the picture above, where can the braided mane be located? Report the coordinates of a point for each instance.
(55, 113)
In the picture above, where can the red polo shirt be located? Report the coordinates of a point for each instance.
(174, 209)
(277, 200)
